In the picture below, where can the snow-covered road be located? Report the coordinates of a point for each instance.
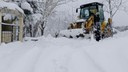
(66, 55)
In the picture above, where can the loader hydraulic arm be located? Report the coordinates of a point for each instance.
(89, 24)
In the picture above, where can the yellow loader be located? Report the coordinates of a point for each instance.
(91, 23)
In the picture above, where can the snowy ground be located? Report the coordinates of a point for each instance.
(66, 55)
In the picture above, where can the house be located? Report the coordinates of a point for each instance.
(11, 22)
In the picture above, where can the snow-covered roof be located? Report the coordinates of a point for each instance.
(11, 6)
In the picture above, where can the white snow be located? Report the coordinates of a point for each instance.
(50, 54)
(10, 6)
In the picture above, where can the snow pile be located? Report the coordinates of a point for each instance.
(26, 6)
(71, 32)
(66, 55)
(10, 6)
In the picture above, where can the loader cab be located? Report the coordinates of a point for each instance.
(87, 10)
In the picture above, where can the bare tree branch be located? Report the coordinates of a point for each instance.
(112, 6)
(117, 8)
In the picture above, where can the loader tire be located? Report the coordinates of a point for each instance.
(97, 36)
(81, 35)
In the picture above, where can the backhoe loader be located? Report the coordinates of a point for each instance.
(91, 23)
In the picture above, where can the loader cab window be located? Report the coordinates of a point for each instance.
(93, 10)
(101, 13)
(84, 13)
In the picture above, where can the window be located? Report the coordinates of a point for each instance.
(93, 9)
(101, 13)
(84, 13)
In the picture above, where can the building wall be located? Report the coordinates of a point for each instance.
(6, 36)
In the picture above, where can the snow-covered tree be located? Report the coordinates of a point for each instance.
(48, 8)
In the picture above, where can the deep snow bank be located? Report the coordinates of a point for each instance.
(66, 55)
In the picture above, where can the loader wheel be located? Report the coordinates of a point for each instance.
(97, 35)
(77, 36)
(70, 36)
(98, 39)
(81, 35)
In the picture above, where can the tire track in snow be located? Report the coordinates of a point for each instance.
(81, 61)
(94, 63)
(26, 62)
(54, 59)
